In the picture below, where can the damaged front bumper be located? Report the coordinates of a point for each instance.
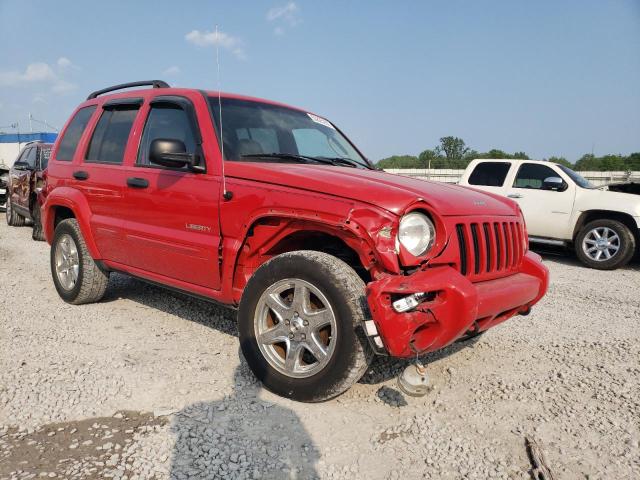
(452, 305)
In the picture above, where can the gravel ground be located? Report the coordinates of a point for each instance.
(150, 384)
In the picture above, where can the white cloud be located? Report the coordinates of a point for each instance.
(221, 39)
(173, 70)
(288, 13)
(65, 64)
(37, 73)
(62, 86)
(39, 99)
(278, 31)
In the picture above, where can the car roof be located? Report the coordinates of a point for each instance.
(177, 91)
(513, 160)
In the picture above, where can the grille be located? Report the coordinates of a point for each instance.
(489, 247)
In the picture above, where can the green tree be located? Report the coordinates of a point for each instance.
(561, 161)
(399, 161)
(453, 149)
(430, 159)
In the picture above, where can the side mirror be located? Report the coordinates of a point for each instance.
(554, 183)
(172, 153)
(21, 166)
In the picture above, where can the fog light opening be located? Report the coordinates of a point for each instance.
(409, 302)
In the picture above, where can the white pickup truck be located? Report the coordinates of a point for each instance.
(562, 208)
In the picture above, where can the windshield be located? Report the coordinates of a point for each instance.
(251, 129)
(577, 178)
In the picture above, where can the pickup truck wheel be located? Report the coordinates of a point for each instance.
(76, 276)
(37, 232)
(300, 324)
(605, 244)
(14, 219)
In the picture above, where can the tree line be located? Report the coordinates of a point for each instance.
(452, 152)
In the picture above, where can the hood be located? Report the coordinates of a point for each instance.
(391, 192)
(597, 199)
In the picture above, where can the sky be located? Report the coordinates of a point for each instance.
(546, 77)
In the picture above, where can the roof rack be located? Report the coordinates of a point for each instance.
(144, 83)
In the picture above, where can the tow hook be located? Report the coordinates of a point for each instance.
(525, 311)
(414, 381)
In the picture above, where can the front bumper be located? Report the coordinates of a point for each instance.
(454, 306)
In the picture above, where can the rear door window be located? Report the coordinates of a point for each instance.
(45, 153)
(72, 134)
(110, 136)
(490, 174)
(532, 175)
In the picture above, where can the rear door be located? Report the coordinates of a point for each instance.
(172, 226)
(547, 212)
(490, 176)
(101, 176)
(22, 180)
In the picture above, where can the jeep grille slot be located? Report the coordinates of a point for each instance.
(489, 248)
(463, 248)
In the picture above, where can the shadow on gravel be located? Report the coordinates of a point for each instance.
(383, 369)
(567, 257)
(241, 437)
(182, 305)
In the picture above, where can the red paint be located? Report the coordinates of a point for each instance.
(281, 207)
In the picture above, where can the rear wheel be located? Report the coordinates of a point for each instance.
(76, 276)
(14, 219)
(300, 327)
(38, 232)
(605, 244)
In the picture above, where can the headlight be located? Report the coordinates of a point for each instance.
(416, 233)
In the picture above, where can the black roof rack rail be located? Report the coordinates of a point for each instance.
(144, 83)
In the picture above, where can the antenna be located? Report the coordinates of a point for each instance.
(226, 195)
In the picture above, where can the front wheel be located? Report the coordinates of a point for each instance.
(14, 219)
(300, 324)
(605, 244)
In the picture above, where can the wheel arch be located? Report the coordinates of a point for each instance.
(269, 236)
(591, 215)
(69, 203)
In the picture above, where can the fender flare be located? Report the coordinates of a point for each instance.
(75, 201)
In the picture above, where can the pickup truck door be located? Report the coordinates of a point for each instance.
(21, 178)
(547, 212)
(172, 228)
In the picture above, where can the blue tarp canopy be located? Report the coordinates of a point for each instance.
(28, 137)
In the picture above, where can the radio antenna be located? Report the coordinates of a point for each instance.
(226, 195)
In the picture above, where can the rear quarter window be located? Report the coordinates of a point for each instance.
(73, 133)
(490, 174)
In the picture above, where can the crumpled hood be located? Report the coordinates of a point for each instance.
(391, 192)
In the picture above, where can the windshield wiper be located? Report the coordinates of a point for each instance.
(346, 161)
(289, 156)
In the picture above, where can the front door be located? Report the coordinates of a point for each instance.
(172, 227)
(547, 212)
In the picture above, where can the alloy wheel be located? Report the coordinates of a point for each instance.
(601, 244)
(67, 262)
(295, 328)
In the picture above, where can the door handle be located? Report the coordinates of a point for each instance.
(136, 182)
(80, 175)
(515, 195)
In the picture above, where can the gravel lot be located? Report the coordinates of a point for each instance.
(150, 384)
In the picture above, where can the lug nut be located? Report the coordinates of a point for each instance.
(306, 323)
(303, 336)
(287, 322)
(291, 336)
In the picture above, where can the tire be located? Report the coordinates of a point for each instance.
(605, 256)
(14, 219)
(333, 285)
(90, 281)
(37, 232)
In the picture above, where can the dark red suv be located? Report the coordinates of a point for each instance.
(24, 183)
(271, 209)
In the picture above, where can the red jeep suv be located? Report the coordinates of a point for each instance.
(271, 209)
